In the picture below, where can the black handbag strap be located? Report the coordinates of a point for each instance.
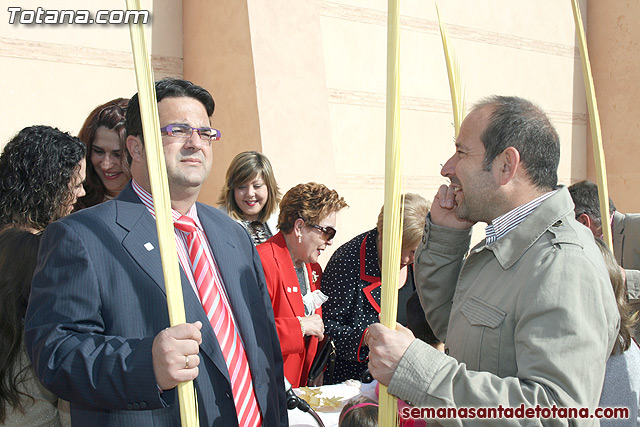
(324, 361)
(331, 363)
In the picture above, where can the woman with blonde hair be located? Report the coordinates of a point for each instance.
(307, 224)
(250, 195)
(352, 282)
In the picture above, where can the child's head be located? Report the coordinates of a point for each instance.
(359, 412)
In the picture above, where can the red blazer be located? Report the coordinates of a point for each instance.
(286, 299)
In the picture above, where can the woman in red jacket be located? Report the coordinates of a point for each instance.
(307, 224)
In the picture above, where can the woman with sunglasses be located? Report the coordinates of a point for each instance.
(307, 224)
(103, 132)
(250, 195)
(352, 280)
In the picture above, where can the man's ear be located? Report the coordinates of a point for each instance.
(135, 148)
(509, 164)
(584, 219)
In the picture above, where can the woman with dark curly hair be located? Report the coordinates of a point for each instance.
(103, 132)
(23, 399)
(307, 224)
(41, 174)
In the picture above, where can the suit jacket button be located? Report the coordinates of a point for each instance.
(143, 405)
(136, 405)
(129, 406)
(229, 396)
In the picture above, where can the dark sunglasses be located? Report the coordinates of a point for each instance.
(328, 232)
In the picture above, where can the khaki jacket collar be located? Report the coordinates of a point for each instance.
(511, 247)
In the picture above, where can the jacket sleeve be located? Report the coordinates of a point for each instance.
(438, 262)
(65, 332)
(346, 314)
(566, 323)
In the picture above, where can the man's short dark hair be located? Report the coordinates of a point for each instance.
(168, 87)
(518, 123)
(586, 201)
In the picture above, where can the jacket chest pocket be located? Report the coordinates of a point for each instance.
(482, 341)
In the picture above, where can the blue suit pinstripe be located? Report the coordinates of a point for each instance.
(98, 301)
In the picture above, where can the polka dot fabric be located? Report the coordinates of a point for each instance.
(348, 312)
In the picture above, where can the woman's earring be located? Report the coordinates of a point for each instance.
(299, 238)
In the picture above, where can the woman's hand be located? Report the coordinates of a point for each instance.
(313, 326)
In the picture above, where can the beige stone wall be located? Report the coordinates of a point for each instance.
(56, 74)
(504, 47)
(319, 73)
(267, 76)
(613, 36)
(304, 81)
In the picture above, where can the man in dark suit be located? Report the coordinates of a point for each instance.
(97, 326)
(625, 233)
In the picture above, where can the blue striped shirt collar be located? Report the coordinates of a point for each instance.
(500, 226)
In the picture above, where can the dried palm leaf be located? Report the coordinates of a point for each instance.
(455, 81)
(594, 123)
(392, 230)
(161, 199)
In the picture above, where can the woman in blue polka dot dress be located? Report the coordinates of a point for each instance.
(351, 280)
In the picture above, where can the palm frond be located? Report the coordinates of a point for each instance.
(455, 80)
(596, 134)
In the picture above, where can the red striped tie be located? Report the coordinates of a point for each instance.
(223, 326)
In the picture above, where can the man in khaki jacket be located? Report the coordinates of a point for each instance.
(625, 229)
(529, 317)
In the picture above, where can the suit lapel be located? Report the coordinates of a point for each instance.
(141, 242)
(373, 291)
(290, 278)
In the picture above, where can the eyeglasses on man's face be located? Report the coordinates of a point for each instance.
(328, 232)
(185, 131)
